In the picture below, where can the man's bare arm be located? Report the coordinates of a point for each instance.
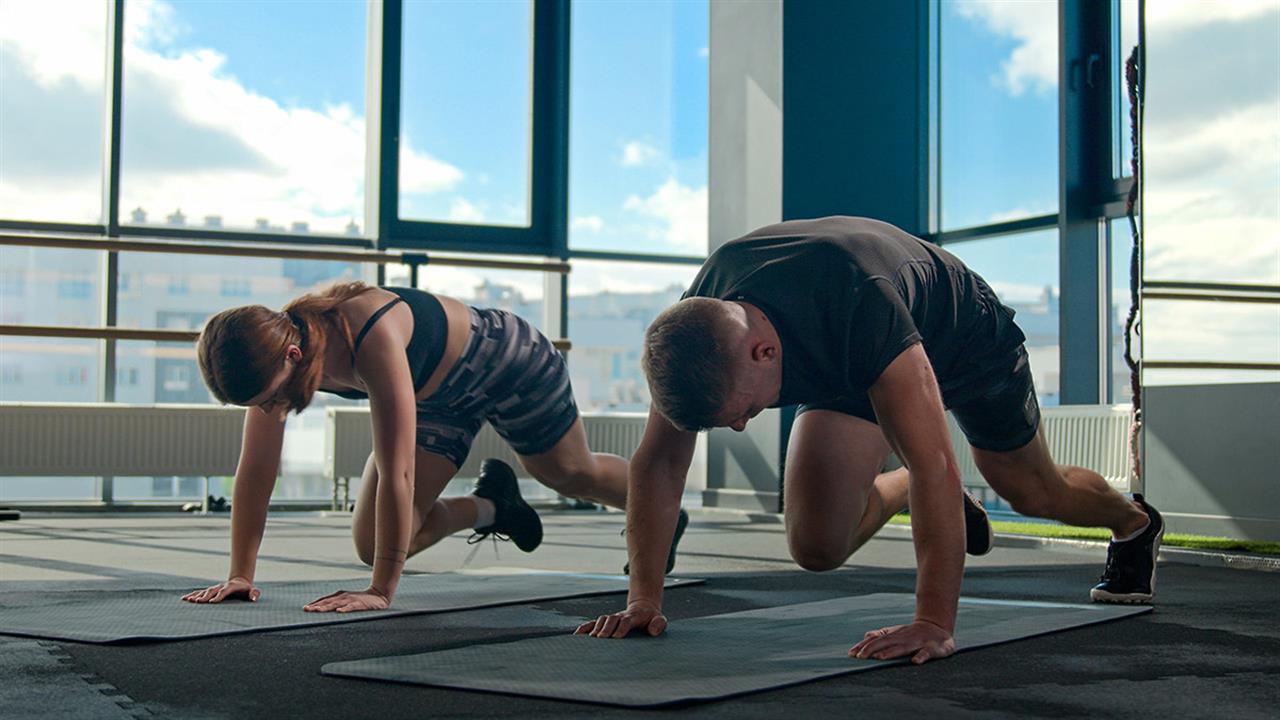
(909, 409)
(655, 483)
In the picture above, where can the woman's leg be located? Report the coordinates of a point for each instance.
(433, 517)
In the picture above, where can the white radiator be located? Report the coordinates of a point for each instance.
(72, 439)
(349, 440)
(1090, 436)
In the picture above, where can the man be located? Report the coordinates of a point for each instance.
(873, 332)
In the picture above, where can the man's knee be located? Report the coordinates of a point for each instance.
(571, 480)
(816, 556)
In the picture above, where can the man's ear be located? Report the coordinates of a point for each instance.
(293, 352)
(763, 351)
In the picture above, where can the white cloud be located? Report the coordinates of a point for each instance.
(1173, 14)
(1019, 213)
(682, 211)
(229, 152)
(704, 51)
(1034, 26)
(588, 223)
(38, 33)
(1213, 198)
(463, 211)
(637, 153)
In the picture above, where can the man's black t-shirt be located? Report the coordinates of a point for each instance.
(847, 295)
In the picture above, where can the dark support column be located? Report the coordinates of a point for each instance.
(855, 82)
(1085, 78)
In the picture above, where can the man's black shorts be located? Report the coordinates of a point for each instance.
(997, 413)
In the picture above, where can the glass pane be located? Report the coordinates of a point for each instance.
(1120, 238)
(1023, 270)
(999, 111)
(45, 489)
(1211, 143)
(638, 126)
(466, 111)
(50, 286)
(34, 369)
(517, 291)
(1126, 41)
(52, 71)
(1186, 330)
(245, 116)
(180, 292)
(37, 369)
(610, 305)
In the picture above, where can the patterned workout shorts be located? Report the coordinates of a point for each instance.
(510, 375)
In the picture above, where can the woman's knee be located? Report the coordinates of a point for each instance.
(364, 547)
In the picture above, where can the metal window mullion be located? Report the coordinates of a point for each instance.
(390, 36)
(112, 113)
(549, 152)
(931, 130)
(1085, 179)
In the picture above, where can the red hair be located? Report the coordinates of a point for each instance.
(241, 350)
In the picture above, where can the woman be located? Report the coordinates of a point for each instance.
(434, 370)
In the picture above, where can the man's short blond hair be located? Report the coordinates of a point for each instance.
(687, 362)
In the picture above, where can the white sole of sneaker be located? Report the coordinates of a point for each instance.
(1102, 596)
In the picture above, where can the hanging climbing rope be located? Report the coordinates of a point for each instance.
(1133, 322)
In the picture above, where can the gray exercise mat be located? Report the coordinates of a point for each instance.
(716, 657)
(151, 614)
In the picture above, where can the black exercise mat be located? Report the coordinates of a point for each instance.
(715, 657)
(151, 614)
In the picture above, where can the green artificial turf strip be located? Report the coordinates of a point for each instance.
(1053, 530)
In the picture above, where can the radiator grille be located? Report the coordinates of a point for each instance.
(66, 439)
(1091, 436)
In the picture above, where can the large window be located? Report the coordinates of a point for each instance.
(466, 134)
(248, 122)
(998, 111)
(638, 124)
(1212, 193)
(244, 116)
(51, 109)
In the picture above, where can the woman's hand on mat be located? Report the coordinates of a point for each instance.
(344, 601)
(637, 616)
(926, 640)
(236, 587)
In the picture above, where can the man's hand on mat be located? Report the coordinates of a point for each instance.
(344, 601)
(926, 640)
(236, 587)
(637, 616)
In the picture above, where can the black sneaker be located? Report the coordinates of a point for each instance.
(978, 536)
(682, 522)
(513, 519)
(1130, 575)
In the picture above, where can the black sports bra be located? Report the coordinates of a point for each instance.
(426, 347)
